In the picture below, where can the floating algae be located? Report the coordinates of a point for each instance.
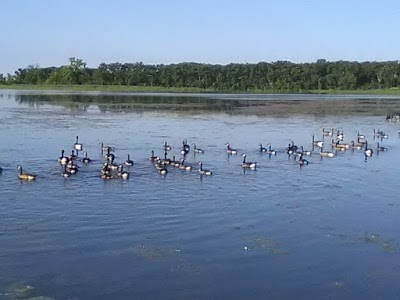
(376, 239)
(21, 291)
(388, 247)
(369, 238)
(188, 268)
(153, 252)
(272, 246)
(144, 251)
(337, 284)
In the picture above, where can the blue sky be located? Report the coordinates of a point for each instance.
(48, 32)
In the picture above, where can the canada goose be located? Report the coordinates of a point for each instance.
(380, 148)
(262, 149)
(343, 146)
(367, 151)
(72, 156)
(197, 150)
(106, 148)
(25, 176)
(152, 157)
(359, 141)
(110, 156)
(71, 167)
(381, 134)
(360, 136)
(182, 166)
(166, 146)
(163, 171)
(105, 169)
(186, 145)
(128, 161)
(289, 149)
(251, 165)
(334, 142)
(202, 171)
(326, 153)
(302, 161)
(384, 136)
(270, 151)
(166, 160)
(159, 165)
(63, 159)
(292, 148)
(107, 176)
(86, 159)
(175, 163)
(327, 132)
(185, 148)
(377, 132)
(300, 151)
(121, 173)
(319, 144)
(161, 168)
(230, 150)
(355, 146)
(113, 166)
(304, 152)
(66, 173)
(77, 145)
(339, 135)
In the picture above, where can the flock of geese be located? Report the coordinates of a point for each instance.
(111, 170)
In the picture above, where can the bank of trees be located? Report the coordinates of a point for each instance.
(263, 76)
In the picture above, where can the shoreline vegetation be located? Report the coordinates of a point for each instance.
(280, 77)
(161, 89)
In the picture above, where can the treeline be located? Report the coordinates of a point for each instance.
(263, 76)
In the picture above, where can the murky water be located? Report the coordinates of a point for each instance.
(328, 230)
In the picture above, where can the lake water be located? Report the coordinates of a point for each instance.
(328, 230)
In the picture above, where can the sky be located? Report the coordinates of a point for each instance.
(48, 32)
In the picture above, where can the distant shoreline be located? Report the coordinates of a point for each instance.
(159, 89)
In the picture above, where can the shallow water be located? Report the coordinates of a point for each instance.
(326, 231)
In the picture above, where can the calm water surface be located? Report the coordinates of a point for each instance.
(325, 231)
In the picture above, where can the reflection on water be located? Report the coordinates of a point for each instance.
(279, 105)
(325, 231)
(106, 103)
